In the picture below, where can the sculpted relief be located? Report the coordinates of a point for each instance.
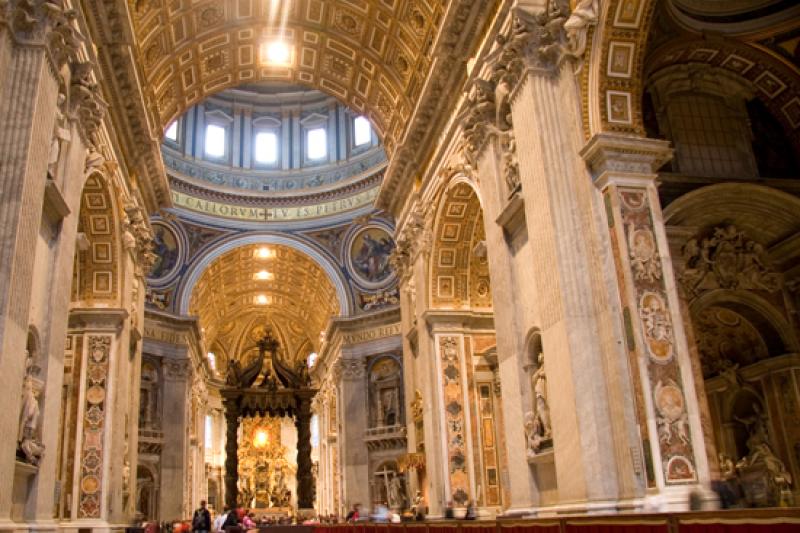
(726, 259)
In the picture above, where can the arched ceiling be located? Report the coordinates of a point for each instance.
(298, 293)
(374, 56)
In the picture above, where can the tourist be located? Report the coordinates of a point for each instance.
(381, 513)
(220, 520)
(449, 512)
(354, 514)
(201, 521)
(231, 521)
(248, 522)
(470, 514)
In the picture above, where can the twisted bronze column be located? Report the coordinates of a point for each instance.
(305, 477)
(231, 453)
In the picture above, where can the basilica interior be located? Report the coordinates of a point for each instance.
(530, 257)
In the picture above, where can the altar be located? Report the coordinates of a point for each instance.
(259, 474)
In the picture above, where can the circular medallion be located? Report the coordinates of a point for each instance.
(95, 394)
(669, 401)
(368, 257)
(90, 484)
(166, 247)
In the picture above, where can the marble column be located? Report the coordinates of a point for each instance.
(354, 459)
(231, 453)
(624, 170)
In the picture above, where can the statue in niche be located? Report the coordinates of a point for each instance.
(540, 393)
(538, 431)
(384, 389)
(396, 493)
(29, 444)
(761, 461)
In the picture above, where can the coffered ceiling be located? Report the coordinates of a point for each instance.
(373, 55)
(296, 290)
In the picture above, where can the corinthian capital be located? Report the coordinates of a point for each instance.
(350, 369)
(545, 39)
(86, 101)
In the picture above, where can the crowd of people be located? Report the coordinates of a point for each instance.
(240, 520)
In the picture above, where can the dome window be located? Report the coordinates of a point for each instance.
(172, 132)
(316, 143)
(266, 151)
(362, 132)
(215, 140)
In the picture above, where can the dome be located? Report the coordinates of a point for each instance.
(272, 154)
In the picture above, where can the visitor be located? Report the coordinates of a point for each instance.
(231, 521)
(220, 520)
(381, 513)
(201, 521)
(449, 512)
(248, 522)
(470, 514)
(354, 515)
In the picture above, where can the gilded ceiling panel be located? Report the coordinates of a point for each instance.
(374, 56)
(281, 284)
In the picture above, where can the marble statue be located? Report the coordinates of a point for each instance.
(577, 25)
(28, 438)
(761, 458)
(540, 392)
(727, 469)
(396, 497)
(538, 431)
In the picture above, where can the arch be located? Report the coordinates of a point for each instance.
(459, 271)
(613, 83)
(757, 310)
(772, 79)
(353, 51)
(98, 272)
(743, 204)
(615, 64)
(327, 264)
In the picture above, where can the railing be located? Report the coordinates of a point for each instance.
(150, 440)
(731, 521)
(385, 437)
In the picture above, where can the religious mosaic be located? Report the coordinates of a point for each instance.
(369, 256)
(167, 250)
